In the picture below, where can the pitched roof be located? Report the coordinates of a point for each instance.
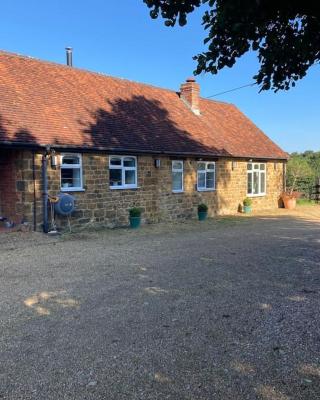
(45, 103)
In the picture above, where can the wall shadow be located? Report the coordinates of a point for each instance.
(14, 174)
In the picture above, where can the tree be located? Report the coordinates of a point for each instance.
(300, 175)
(285, 35)
(313, 158)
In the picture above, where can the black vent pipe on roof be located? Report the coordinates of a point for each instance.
(69, 56)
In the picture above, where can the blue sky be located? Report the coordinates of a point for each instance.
(119, 38)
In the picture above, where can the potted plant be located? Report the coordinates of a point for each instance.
(297, 169)
(289, 199)
(202, 211)
(135, 217)
(247, 205)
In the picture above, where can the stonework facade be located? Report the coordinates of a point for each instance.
(97, 204)
(18, 185)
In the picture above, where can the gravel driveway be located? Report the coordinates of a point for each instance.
(225, 309)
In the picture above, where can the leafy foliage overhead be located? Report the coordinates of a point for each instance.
(285, 35)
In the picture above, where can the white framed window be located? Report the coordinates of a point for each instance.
(256, 179)
(177, 176)
(123, 172)
(206, 176)
(71, 172)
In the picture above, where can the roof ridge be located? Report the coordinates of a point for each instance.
(217, 101)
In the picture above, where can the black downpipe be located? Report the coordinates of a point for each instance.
(284, 177)
(34, 193)
(45, 193)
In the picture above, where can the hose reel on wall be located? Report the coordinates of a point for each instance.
(63, 204)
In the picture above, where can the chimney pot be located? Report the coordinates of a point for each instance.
(190, 94)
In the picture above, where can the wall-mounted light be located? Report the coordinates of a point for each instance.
(53, 159)
(157, 163)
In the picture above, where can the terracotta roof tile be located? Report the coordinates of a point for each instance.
(46, 103)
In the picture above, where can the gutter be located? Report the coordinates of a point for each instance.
(113, 150)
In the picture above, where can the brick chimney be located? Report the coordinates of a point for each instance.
(189, 92)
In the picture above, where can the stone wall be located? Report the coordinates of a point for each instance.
(16, 185)
(98, 204)
(231, 189)
(8, 193)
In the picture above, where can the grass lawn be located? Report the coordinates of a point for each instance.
(306, 202)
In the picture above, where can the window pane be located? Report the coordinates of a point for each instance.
(210, 180)
(115, 161)
(262, 167)
(256, 182)
(115, 177)
(210, 166)
(70, 178)
(177, 165)
(201, 166)
(255, 166)
(176, 181)
(76, 177)
(250, 183)
(201, 180)
(70, 159)
(262, 182)
(130, 177)
(249, 166)
(129, 162)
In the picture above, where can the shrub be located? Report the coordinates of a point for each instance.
(247, 202)
(135, 212)
(300, 176)
(202, 208)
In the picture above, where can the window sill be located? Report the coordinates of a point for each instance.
(72, 189)
(123, 187)
(257, 195)
(177, 191)
(206, 190)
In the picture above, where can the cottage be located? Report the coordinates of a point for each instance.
(114, 144)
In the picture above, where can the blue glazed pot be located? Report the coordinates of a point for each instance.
(247, 209)
(202, 215)
(135, 222)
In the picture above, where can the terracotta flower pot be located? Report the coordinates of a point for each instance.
(289, 202)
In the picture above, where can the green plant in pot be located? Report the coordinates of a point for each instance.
(135, 217)
(202, 212)
(247, 205)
